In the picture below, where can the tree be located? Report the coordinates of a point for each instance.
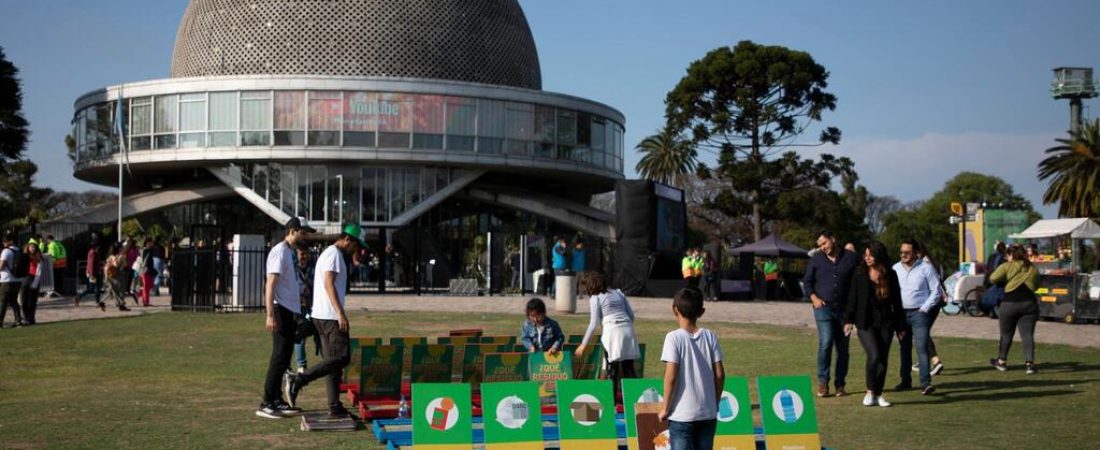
(928, 223)
(1073, 169)
(70, 146)
(665, 156)
(747, 103)
(26, 205)
(878, 207)
(66, 203)
(13, 126)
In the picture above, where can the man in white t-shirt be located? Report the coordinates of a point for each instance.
(10, 282)
(282, 303)
(694, 376)
(330, 281)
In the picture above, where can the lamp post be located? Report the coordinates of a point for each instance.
(340, 208)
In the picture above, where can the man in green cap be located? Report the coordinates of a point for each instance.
(330, 281)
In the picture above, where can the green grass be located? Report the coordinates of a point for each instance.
(193, 381)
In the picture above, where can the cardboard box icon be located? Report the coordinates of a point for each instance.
(586, 411)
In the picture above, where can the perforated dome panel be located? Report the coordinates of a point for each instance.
(481, 41)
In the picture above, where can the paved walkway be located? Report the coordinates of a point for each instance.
(792, 314)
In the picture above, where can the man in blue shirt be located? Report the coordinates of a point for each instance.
(920, 295)
(828, 278)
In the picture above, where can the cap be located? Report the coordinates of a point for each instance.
(354, 230)
(299, 223)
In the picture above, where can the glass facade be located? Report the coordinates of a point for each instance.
(352, 119)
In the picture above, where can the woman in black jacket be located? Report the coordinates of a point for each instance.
(874, 308)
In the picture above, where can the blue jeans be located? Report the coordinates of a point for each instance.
(300, 352)
(830, 333)
(698, 435)
(920, 326)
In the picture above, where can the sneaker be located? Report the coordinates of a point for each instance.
(840, 392)
(123, 308)
(102, 306)
(338, 411)
(936, 368)
(928, 390)
(268, 411)
(1031, 369)
(301, 369)
(916, 367)
(903, 386)
(285, 409)
(292, 385)
(998, 364)
(881, 401)
(823, 390)
(869, 400)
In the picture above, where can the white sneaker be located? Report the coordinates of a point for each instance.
(869, 400)
(916, 367)
(882, 402)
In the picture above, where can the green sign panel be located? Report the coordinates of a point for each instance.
(432, 363)
(787, 410)
(513, 420)
(505, 367)
(586, 415)
(351, 372)
(577, 338)
(473, 362)
(638, 390)
(547, 369)
(733, 430)
(639, 364)
(498, 340)
(587, 367)
(381, 370)
(441, 416)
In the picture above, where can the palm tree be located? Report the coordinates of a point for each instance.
(665, 156)
(1074, 172)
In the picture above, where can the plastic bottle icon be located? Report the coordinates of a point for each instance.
(787, 403)
(403, 408)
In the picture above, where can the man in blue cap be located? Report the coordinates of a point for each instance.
(330, 282)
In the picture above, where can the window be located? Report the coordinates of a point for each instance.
(369, 195)
(290, 118)
(255, 118)
(583, 152)
(166, 117)
(360, 124)
(141, 123)
(428, 122)
(223, 119)
(519, 125)
(324, 118)
(460, 118)
(394, 120)
(192, 120)
(490, 126)
(317, 194)
(544, 131)
(599, 141)
(104, 129)
(567, 133)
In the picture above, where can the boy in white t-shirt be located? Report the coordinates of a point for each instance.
(694, 376)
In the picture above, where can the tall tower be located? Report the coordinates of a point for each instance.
(1074, 83)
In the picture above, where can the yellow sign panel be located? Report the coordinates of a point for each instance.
(1060, 291)
(1048, 298)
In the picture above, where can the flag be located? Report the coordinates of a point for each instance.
(120, 130)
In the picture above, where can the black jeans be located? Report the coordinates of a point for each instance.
(876, 343)
(336, 353)
(92, 288)
(1023, 314)
(30, 303)
(9, 297)
(282, 348)
(619, 370)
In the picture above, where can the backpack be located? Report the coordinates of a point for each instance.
(21, 263)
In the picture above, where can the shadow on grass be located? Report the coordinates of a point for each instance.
(1052, 367)
(945, 396)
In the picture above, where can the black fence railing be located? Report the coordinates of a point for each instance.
(212, 280)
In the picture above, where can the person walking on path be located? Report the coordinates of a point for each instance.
(93, 273)
(1020, 307)
(281, 304)
(305, 280)
(710, 277)
(113, 268)
(874, 311)
(827, 280)
(11, 280)
(147, 270)
(920, 294)
(59, 255)
(330, 282)
(38, 273)
(610, 309)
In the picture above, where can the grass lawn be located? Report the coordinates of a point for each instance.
(184, 380)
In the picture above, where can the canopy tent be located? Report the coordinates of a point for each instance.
(772, 246)
(1074, 228)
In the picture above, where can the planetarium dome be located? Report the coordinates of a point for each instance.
(479, 41)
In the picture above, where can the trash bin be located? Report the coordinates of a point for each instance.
(565, 290)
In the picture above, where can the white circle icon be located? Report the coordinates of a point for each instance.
(512, 412)
(442, 414)
(728, 407)
(586, 410)
(787, 406)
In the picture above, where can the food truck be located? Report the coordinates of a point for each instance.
(1066, 252)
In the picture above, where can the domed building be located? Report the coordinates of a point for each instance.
(422, 120)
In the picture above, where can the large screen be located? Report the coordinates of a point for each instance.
(670, 219)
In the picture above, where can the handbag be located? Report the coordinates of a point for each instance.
(305, 327)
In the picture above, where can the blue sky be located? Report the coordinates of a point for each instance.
(925, 90)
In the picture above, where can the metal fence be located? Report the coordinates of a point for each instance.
(213, 280)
